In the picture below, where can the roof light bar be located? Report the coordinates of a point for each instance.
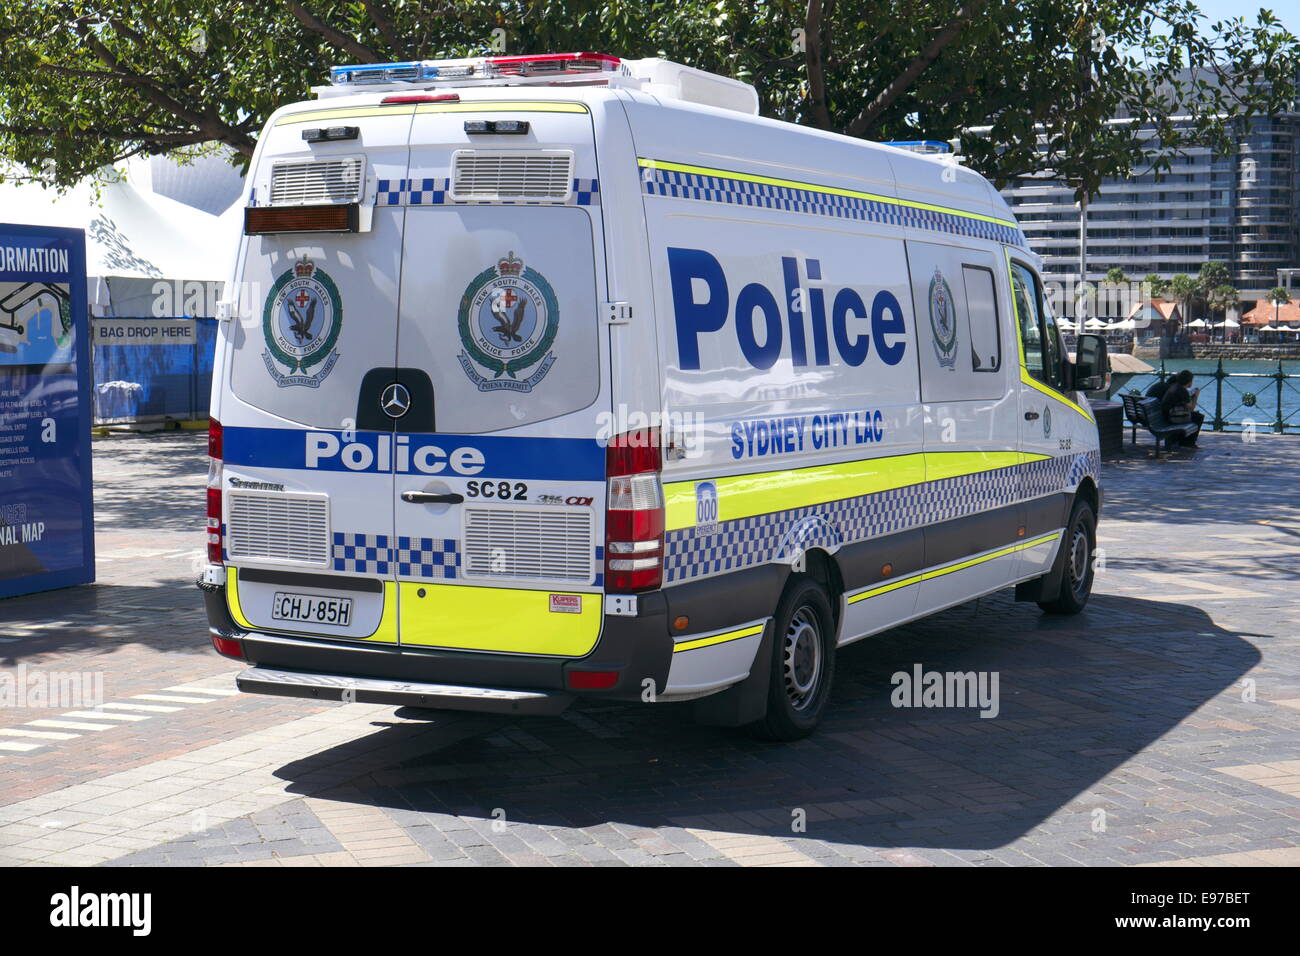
(926, 147)
(425, 72)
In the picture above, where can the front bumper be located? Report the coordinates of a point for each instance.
(368, 690)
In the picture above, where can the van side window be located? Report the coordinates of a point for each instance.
(982, 316)
(1052, 349)
(1024, 288)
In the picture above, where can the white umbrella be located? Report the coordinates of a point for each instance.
(1125, 325)
(1227, 324)
(1197, 324)
(1066, 325)
(1094, 324)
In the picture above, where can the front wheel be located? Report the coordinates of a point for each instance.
(803, 663)
(1076, 577)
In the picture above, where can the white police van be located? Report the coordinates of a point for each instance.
(567, 375)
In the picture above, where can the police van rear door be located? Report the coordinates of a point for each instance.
(308, 480)
(499, 490)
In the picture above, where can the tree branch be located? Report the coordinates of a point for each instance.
(812, 45)
(206, 123)
(384, 23)
(336, 37)
(900, 84)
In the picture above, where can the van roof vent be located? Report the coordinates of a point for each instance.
(317, 181)
(511, 175)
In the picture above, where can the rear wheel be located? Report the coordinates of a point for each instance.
(1076, 576)
(803, 663)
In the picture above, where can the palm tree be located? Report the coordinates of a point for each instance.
(1221, 298)
(1155, 285)
(1185, 290)
(1279, 296)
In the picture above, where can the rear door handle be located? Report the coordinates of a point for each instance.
(1031, 416)
(429, 498)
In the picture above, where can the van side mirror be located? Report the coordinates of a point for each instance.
(1091, 363)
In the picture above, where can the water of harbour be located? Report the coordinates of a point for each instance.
(1248, 377)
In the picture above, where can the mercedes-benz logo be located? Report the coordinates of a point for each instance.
(396, 400)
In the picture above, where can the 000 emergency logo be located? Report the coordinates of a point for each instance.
(301, 323)
(508, 320)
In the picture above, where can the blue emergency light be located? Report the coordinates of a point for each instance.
(923, 146)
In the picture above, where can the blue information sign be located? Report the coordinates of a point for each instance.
(46, 518)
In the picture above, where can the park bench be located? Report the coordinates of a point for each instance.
(1146, 412)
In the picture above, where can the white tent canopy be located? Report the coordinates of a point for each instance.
(1227, 324)
(1197, 324)
(134, 238)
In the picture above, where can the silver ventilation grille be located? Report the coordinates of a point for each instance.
(321, 181)
(544, 544)
(512, 175)
(279, 527)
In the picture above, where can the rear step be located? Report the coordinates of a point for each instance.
(370, 690)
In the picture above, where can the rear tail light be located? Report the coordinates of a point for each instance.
(634, 515)
(228, 647)
(592, 680)
(216, 544)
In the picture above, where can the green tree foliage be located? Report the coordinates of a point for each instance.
(1026, 86)
(1155, 285)
(1185, 290)
(1278, 295)
(1222, 297)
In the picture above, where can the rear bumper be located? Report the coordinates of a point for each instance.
(370, 690)
(637, 649)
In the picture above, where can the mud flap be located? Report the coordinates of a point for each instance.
(1049, 585)
(741, 703)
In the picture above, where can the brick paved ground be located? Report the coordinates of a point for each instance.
(1160, 727)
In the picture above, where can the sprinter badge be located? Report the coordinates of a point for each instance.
(301, 323)
(508, 320)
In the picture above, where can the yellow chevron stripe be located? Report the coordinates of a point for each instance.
(720, 638)
(744, 496)
(950, 568)
(813, 187)
(407, 109)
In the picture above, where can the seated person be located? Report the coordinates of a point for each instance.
(1179, 406)
(1159, 387)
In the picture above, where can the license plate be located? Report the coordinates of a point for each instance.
(312, 608)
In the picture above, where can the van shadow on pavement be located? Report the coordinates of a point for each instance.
(1079, 697)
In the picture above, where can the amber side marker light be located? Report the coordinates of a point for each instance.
(336, 217)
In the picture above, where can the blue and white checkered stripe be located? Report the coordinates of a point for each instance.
(436, 191)
(767, 537)
(407, 557)
(741, 192)
(362, 553)
(385, 554)
(426, 557)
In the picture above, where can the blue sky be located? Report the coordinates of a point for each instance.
(1287, 11)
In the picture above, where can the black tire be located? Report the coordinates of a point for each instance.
(803, 662)
(1077, 552)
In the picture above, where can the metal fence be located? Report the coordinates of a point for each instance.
(1249, 400)
(148, 369)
